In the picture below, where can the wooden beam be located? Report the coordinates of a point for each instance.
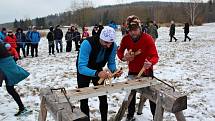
(63, 112)
(43, 110)
(126, 102)
(172, 101)
(159, 109)
(83, 93)
(141, 104)
(180, 116)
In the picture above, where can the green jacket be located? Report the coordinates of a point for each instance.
(152, 30)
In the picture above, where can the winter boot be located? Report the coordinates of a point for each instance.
(130, 119)
(20, 111)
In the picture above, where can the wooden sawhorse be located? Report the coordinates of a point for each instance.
(165, 99)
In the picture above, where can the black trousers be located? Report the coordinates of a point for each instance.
(15, 95)
(77, 46)
(172, 36)
(131, 107)
(68, 46)
(23, 50)
(34, 47)
(51, 47)
(84, 81)
(12, 92)
(186, 37)
(28, 45)
(1, 78)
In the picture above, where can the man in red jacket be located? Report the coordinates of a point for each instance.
(146, 56)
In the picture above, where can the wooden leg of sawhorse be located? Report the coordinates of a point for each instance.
(180, 116)
(43, 110)
(124, 106)
(141, 104)
(159, 109)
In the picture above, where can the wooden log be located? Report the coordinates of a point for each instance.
(141, 72)
(172, 101)
(83, 93)
(180, 116)
(159, 109)
(141, 104)
(124, 106)
(43, 110)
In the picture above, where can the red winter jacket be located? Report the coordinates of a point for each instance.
(13, 52)
(11, 41)
(148, 51)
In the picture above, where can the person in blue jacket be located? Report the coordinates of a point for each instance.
(113, 25)
(35, 39)
(12, 74)
(95, 52)
(3, 34)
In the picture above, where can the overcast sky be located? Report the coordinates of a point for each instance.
(19, 9)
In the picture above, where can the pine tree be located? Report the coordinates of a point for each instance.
(15, 24)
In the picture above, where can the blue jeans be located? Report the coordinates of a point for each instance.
(61, 45)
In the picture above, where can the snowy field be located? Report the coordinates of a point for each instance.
(189, 66)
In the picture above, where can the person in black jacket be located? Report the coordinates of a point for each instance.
(100, 28)
(58, 35)
(172, 31)
(77, 39)
(95, 31)
(50, 37)
(21, 41)
(69, 38)
(28, 41)
(186, 31)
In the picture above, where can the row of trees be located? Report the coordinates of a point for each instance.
(195, 12)
(83, 13)
(22, 23)
(27, 23)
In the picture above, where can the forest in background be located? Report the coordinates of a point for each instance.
(195, 12)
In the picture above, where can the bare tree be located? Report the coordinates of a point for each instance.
(192, 9)
(80, 5)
